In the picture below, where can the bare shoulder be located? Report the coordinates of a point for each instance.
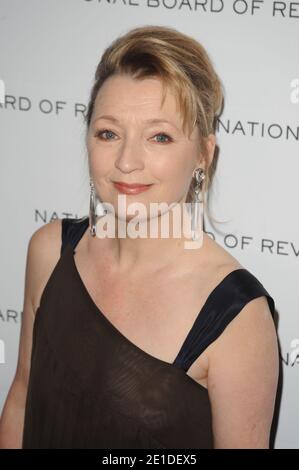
(214, 263)
(242, 373)
(44, 252)
(219, 255)
(255, 318)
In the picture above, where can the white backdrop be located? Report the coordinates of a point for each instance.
(48, 54)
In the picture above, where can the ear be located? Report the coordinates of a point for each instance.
(211, 144)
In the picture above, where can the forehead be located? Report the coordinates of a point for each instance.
(122, 94)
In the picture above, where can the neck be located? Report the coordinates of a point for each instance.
(152, 253)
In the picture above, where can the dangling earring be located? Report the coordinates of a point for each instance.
(96, 209)
(92, 209)
(197, 228)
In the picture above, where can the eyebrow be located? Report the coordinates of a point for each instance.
(148, 121)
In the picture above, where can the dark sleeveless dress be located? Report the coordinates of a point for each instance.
(91, 387)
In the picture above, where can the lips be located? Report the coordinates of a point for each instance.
(133, 188)
(131, 185)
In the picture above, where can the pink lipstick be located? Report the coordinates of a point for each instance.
(133, 188)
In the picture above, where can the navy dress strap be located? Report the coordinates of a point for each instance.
(222, 305)
(72, 230)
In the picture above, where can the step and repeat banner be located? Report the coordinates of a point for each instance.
(48, 54)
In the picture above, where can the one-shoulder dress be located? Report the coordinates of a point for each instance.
(91, 387)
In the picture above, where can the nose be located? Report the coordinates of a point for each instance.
(130, 157)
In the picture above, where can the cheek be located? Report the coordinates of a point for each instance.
(178, 173)
(173, 181)
(99, 165)
(176, 168)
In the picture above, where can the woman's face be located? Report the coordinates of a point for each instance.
(127, 147)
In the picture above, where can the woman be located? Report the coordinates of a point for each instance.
(138, 342)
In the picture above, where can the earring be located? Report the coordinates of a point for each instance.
(96, 209)
(196, 228)
(92, 209)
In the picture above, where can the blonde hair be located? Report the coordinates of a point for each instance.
(183, 65)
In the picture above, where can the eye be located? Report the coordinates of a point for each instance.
(100, 132)
(164, 135)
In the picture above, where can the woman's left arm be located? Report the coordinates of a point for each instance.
(242, 379)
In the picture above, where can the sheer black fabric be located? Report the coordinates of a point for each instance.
(91, 387)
